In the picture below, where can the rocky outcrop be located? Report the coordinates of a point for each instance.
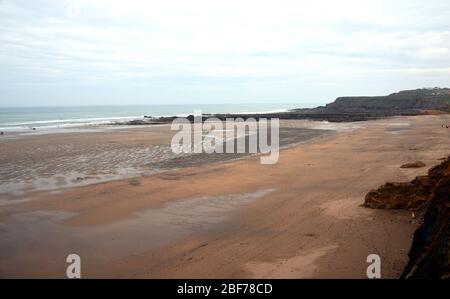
(418, 164)
(399, 195)
(430, 250)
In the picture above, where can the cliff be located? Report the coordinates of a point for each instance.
(344, 109)
(408, 100)
(430, 250)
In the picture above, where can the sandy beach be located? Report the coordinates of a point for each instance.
(131, 209)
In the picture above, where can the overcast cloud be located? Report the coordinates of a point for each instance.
(158, 52)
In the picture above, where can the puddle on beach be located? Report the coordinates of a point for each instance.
(36, 243)
(400, 124)
(397, 127)
(322, 125)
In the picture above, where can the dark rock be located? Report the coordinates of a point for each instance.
(397, 196)
(417, 164)
(134, 182)
(430, 250)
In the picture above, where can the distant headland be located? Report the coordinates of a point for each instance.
(349, 109)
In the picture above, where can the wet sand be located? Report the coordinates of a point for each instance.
(56, 161)
(299, 218)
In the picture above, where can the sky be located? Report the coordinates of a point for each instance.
(111, 52)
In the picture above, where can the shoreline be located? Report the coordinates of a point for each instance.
(283, 222)
(61, 125)
(434, 101)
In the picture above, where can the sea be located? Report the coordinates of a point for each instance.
(38, 118)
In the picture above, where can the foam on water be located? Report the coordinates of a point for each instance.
(23, 119)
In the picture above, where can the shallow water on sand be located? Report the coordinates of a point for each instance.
(36, 243)
(56, 161)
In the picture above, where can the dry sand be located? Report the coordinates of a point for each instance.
(299, 218)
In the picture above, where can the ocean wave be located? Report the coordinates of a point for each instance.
(71, 120)
(80, 122)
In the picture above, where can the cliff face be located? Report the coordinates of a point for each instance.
(430, 251)
(406, 101)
